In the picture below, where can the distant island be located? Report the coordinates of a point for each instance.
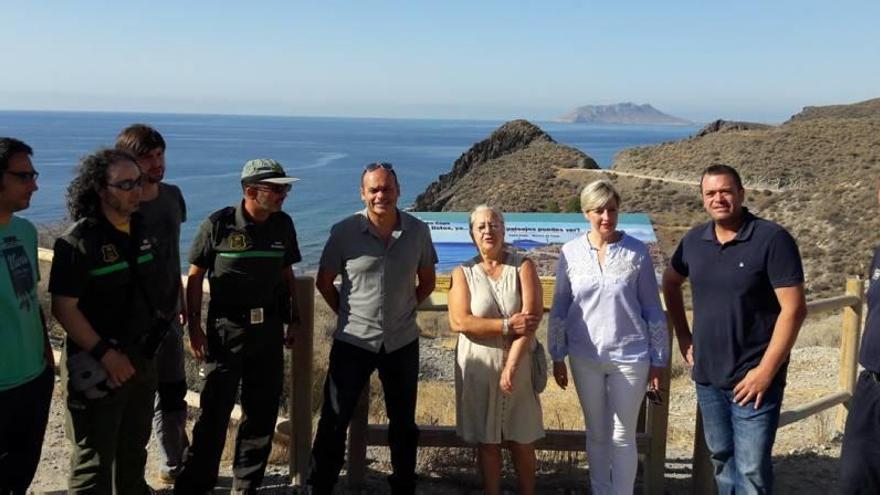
(621, 113)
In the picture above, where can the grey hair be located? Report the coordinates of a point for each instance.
(495, 211)
(598, 194)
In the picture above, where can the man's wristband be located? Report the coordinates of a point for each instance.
(505, 327)
(98, 350)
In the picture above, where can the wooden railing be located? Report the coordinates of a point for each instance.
(850, 333)
(650, 438)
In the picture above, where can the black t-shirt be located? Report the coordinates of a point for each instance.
(735, 306)
(244, 259)
(163, 216)
(869, 356)
(91, 263)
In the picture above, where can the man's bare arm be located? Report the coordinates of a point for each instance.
(672, 294)
(324, 284)
(793, 311)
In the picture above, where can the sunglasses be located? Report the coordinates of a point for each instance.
(127, 184)
(377, 165)
(24, 176)
(275, 188)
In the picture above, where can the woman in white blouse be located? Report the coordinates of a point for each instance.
(607, 318)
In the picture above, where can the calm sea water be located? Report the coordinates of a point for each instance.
(206, 152)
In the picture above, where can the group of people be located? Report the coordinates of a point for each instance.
(117, 292)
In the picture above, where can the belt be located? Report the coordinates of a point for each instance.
(245, 314)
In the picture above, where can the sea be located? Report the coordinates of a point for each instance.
(205, 154)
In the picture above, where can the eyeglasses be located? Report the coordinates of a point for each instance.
(377, 165)
(275, 188)
(24, 176)
(128, 184)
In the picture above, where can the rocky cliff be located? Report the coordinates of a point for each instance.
(506, 169)
(621, 113)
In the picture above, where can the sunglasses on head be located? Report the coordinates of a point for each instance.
(377, 165)
(24, 176)
(275, 188)
(127, 184)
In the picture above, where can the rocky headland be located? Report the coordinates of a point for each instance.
(621, 114)
(816, 174)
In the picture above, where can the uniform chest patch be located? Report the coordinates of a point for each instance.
(109, 253)
(238, 241)
(876, 274)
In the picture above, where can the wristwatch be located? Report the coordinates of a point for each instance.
(505, 327)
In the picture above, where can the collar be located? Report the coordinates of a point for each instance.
(242, 219)
(403, 222)
(743, 234)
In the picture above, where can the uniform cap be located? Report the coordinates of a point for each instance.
(265, 170)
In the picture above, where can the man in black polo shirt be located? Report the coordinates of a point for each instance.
(860, 454)
(247, 251)
(104, 276)
(748, 302)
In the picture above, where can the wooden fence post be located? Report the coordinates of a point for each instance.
(300, 398)
(850, 333)
(656, 425)
(703, 477)
(357, 439)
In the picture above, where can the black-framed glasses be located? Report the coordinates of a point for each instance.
(275, 188)
(128, 184)
(24, 176)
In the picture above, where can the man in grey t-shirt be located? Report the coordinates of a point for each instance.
(163, 210)
(379, 252)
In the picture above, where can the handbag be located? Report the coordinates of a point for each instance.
(539, 357)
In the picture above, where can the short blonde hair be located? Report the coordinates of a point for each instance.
(598, 194)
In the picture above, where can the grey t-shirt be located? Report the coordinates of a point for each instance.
(377, 300)
(163, 216)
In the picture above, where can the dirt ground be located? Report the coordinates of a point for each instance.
(805, 457)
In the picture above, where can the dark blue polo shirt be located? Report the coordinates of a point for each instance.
(735, 306)
(870, 353)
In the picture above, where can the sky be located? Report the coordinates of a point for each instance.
(746, 60)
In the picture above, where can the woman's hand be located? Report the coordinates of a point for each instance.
(506, 383)
(654, 375)
(523, 324)
(560, 374)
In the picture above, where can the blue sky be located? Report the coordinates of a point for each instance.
(453, 59)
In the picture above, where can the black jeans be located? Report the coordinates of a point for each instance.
(860, 454)
(251, 355)
(23, 416)
(349, 370)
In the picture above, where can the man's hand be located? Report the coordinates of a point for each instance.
(752, 386)
(560, 374)
(197, 340)
(686, 346)
(523, 324)
(119, 368)
(290, 335)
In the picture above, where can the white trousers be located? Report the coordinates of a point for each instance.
(610, 395)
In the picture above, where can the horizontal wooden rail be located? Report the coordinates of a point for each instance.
(832, 304)
(811, 408)
(445, 436)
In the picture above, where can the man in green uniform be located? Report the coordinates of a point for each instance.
(247, 251)
(104, 284)
(26, 362)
